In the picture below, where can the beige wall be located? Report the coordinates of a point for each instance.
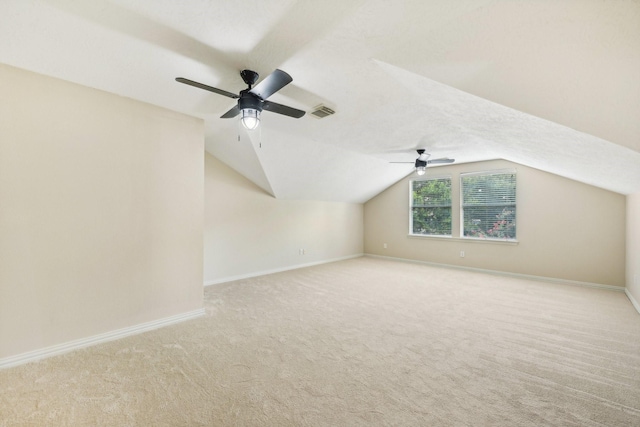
(633, 247)
(100, 212)
(248, 232)
(566, 230)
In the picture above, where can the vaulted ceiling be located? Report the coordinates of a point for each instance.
(553, 85)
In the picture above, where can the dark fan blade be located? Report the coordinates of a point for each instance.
(271, 84)
(439, 161)
(282, 109)
(206, 87)
(231, 113)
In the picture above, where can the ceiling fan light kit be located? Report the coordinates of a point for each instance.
(253, 100)
(423, 160)
(250, 107)
(250, 118)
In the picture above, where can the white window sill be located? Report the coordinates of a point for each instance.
(465, 239)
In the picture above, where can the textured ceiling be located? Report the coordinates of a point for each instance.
(549, 84)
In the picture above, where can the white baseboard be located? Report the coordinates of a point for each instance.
(54, 350)
(506, 273)
(277, 270)
(633, 300)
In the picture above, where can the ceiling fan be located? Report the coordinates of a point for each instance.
(423, 160)
(253, 100)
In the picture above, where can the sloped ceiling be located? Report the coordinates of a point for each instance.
(554, 85)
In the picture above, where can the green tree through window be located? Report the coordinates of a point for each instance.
(489, 205)
(431, 207)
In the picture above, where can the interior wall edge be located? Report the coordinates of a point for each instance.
(632, 243)
(279, 270)
(102, 212)
(635, 303)
(58, 349)
(506, 273)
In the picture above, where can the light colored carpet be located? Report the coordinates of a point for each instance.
(360, 342)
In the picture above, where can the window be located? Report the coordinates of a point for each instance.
(489, 205)
(431, 207)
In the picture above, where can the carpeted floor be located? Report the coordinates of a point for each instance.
(356, 343)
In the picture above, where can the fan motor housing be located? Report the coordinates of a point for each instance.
(249, 100)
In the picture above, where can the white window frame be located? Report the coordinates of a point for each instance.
(485, 173)
(430, 178)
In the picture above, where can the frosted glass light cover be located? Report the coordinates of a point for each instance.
(250, 118)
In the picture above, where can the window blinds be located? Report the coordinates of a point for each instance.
(489, 205)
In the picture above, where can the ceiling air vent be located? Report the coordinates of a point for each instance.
(321, 112)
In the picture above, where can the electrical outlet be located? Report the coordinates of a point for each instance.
(384, 246)
(461, 254)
